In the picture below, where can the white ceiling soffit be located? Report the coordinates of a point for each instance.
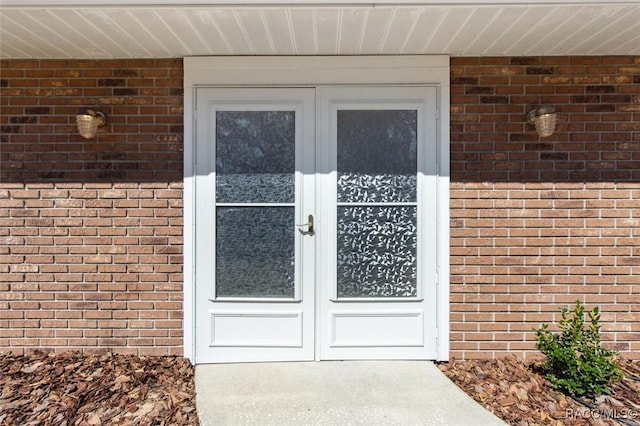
(64, 29)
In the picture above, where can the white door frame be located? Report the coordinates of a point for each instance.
(314, 71)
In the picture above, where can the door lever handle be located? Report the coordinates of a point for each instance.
(309, 225)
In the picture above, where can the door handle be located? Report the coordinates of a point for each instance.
(308, 225)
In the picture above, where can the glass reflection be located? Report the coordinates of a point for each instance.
(255, 156)
(255, 252)
(377, 155)
(377, 251)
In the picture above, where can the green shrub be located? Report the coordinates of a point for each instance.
(576, 362)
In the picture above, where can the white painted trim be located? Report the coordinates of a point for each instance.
(188, 286)
(314, 71)
(444, 214)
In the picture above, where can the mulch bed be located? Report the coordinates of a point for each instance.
(72, 389)
(519, 394)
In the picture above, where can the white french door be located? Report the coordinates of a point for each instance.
(315, 223)
(254, 266)
(376, 179)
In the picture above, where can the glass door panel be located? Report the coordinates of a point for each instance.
(255, 252)
(255, 204)
(376, 209)
(255, 156)
(377, 251)
(377, 155)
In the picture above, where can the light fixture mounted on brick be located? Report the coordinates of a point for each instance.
(88, 122)
(544, 118)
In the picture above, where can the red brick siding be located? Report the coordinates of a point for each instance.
(91, 229)
(537, 223)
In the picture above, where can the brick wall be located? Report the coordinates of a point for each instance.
(537, 223)
(91, 229)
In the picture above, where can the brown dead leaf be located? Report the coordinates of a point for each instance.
(123, 379)
(614, 402)
(521, 394)
(94, 420)
(33, 367)
(506, 401)
(96, 374)
(145, 409)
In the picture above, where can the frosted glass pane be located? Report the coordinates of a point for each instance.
(377, 155)
(377, 249)
(255, 156)
(255, 252)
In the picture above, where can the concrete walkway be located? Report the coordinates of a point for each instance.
(334, 393)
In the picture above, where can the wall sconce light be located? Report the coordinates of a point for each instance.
(88, 122)
(544, 118)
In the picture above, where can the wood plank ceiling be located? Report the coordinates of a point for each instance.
(69, 30)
